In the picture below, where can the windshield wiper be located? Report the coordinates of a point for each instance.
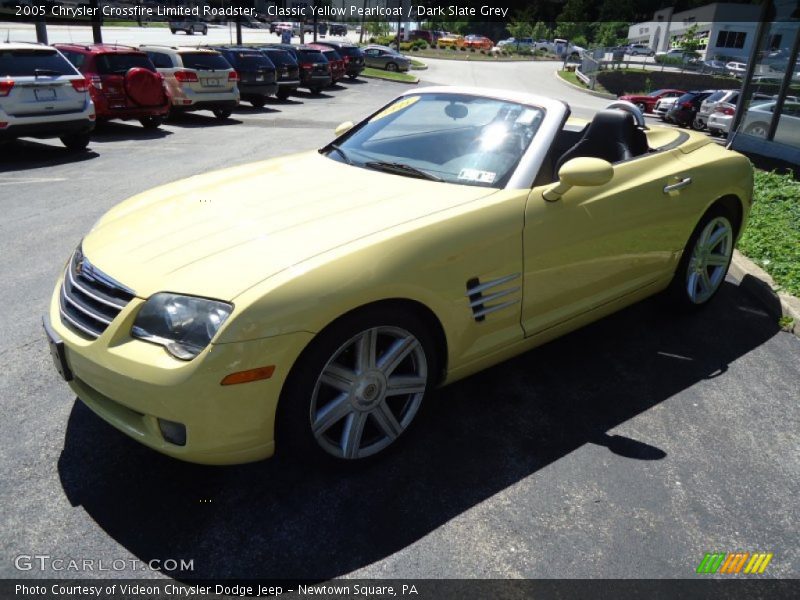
(341, 153)
(43, 72)
(402, 169)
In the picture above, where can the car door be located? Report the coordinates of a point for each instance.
(598, 244)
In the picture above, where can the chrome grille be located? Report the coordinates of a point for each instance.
(89, 298)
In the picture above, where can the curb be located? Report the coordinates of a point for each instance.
(389, 80)
(757, 282)
(583, 89)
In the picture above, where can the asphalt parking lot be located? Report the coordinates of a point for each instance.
(627, 449)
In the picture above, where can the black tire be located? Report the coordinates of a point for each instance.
(283, 94)
(205, 30)
(392, 67)
(697, 125)
(317, 89)
(352, 77)
(714, 132)
(294, 436)
(172, 31)
(152, 122)
(677, 293)
(222, 113)
(642, 107)
(258, 102)
(76, 142)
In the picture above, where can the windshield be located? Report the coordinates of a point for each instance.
(657, 93)
(455, 138)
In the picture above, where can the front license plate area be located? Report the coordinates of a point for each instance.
(57, 351)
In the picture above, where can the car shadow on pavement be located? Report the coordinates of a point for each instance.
(247, 109)
(310, 96)
(281, 520)
(18, 155)
(115, 131)
(200, 119)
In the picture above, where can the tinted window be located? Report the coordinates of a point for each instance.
(76, 58)
(122, 63)
(332, 55)
(159, 60)
(312, 56)
(205, 61)
(248, 61)
(348, 51)
(280, 57)
(716, 96)
(26, 62)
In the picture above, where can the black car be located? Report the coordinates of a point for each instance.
(337, 29)
(686, 107)
(287, 69)
(352, 55)
(257, 73)
(315, 71)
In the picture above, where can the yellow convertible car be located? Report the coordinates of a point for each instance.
(222, 317)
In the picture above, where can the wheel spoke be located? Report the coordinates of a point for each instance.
(705, 283)
(691, 286)
(351, 435)
(338, 377)
(716, 237)
(396, 354)
(400, 384)
(386, 421)
(716, 260)
(331, 413)
(366, 348)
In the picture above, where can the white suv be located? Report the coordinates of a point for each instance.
(43, 96)
(196, 78)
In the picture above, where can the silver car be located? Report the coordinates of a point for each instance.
(383, 57)
(43, 96)
(756, 121)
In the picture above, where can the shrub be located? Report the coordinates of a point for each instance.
(463, 49)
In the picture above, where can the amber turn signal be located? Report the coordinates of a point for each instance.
(249, 375)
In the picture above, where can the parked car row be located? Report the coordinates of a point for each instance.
(62, 91)
(714, 110)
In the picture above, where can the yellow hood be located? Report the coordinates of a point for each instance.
(218, 234)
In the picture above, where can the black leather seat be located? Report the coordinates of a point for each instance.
(612, 135)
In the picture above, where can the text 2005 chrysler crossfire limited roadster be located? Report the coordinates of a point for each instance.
(218, 318)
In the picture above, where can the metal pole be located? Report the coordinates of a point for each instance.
(747, 83)
(363, 22)
(315, 21)
(41, 30)
(238, 29)
(97, 19)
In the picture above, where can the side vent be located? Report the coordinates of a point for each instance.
(482, 295)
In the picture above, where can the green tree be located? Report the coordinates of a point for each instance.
(611, 33)
(574, 20)
(540, 31)
(690, 43)
(519, 29)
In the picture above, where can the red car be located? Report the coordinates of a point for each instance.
(123, 82)
(648, 101)
(338, 64)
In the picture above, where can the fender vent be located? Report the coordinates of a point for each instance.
(481, 295)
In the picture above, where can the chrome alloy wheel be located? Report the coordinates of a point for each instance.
(368, 393)
(710, 258)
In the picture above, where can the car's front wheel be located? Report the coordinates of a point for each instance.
(642, 107)
(391, 66)
(705, 260)
(358, 387)
(222, 113)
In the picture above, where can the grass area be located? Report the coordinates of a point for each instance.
(772, 237)
(417, 65)
(571, 77)
(389, 75)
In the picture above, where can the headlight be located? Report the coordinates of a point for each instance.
(184, 325)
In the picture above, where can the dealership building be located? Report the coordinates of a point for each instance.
(765, 37)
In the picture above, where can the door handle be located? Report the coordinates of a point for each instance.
(686, 181)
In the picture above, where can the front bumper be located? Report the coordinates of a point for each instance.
(131, 384)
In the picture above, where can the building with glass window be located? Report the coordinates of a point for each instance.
(771, 128)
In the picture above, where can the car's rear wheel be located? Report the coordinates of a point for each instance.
(757, 129)
(222, 113)
(698, 125)
(391, 66)
(358, 387)
(283, 94)
(642, 107)
(258, 102)
(705, 260)
(76, 142)
(316, 89)
(151, 122)
(352, 77)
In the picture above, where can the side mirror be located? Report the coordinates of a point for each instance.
(580, 172)
(343, 128)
